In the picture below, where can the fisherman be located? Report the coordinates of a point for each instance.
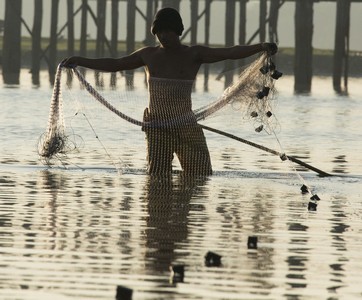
(171, 68)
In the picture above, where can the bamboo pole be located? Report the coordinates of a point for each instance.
(266, 149)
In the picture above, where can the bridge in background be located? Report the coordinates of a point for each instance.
(234, 25)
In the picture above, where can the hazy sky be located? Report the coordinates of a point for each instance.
(324, 21)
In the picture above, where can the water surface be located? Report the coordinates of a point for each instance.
(80, 230)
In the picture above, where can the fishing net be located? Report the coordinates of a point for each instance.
(169, 120)
(55, 141)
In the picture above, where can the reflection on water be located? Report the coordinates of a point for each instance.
(80, 230)
(80, 234)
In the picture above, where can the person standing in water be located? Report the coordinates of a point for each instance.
(171, 68)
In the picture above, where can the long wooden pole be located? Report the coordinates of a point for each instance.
(281, 155)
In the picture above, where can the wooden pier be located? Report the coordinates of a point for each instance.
(235, 25)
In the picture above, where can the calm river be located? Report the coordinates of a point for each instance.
(82, 229)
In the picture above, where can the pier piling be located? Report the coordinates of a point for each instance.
(201, 16)
(341, 47)
(36, 41)
(303, 46)
(11, 59)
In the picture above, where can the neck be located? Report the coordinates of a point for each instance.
(173, 45)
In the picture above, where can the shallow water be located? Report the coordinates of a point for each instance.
(79, 232)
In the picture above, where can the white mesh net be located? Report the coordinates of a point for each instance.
(169, 121)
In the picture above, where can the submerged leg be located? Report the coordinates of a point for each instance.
(193, 152)
(159, 152)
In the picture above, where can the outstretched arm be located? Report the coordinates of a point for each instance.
(129, 62)
(211, 55)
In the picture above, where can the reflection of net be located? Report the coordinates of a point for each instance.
(251, 95)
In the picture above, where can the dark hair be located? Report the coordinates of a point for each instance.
(167, 19)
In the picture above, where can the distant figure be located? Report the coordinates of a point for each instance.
(171, 69)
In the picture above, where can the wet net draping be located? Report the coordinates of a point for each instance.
(170, 107)
(55, 141)
(251, 95)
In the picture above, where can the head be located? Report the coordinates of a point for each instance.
(167, 19)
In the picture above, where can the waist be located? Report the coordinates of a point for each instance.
(186, 118)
